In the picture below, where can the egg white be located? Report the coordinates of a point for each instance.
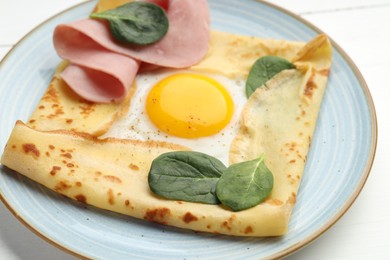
(136, 124)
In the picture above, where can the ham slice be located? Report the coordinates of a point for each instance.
(102, 70)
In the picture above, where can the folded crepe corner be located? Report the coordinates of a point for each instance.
(280, 117)
(61, 108)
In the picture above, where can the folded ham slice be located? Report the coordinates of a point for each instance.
(102, 70)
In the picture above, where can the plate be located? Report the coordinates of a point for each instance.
(340, 158)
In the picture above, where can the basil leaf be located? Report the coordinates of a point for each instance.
(263, 70)
(186, 175)
(139, 23)
(244, 185)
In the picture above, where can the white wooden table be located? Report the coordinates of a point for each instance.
(361, 28)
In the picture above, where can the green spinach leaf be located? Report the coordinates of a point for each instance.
(245, 185)
(263, 70)
(186, 175)
(139, 23)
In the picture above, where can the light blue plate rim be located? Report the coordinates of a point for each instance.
(365, 139)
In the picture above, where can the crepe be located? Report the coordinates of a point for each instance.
(233, 55)
(278, 120)
(112, 174)
(61, 108)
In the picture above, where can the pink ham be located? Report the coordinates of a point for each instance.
(103, 70)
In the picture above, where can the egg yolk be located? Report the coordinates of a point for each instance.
(189, 105)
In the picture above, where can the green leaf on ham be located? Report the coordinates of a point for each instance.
(139, 23)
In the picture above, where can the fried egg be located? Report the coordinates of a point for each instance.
(198, 110)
